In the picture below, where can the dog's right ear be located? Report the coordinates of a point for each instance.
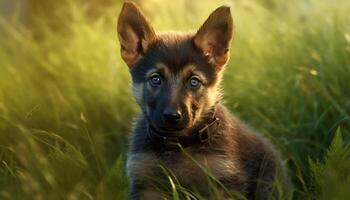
(215, 35)
(134, 33)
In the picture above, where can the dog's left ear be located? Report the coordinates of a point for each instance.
(214, 36)
(134, 32)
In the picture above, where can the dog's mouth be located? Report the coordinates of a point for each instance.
(171, 129)
(167, 130)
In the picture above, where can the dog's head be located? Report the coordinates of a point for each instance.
(175, 76)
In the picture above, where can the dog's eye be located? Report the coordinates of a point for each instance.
(155, 80)
(194, 82)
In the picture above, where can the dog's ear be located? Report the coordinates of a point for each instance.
(214, 36)
(134, 33)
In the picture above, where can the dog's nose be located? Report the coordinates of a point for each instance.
(171, 114)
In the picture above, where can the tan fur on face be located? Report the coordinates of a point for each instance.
(191, 69)
(214, 92)
(162, 66)
(159, 67)
(210, 96)
(137, 92)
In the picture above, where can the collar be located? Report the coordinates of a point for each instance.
(203, 135)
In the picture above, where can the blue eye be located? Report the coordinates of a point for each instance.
(194, 82)
(155, 80)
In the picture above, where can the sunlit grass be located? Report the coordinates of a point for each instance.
(66, 108)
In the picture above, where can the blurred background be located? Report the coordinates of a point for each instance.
(66, 110)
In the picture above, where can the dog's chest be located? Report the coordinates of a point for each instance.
(189, 168)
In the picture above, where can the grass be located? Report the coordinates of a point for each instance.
(66, 109)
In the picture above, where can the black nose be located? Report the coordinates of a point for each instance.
(171, 114)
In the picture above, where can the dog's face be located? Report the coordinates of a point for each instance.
(175, 76)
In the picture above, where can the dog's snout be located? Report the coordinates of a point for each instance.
(172, 114)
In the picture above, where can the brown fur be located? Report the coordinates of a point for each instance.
(235, 155)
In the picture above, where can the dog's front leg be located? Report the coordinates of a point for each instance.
(145, 193)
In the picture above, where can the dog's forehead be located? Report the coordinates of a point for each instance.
(174, 53)
(175, 50)
(181, 72)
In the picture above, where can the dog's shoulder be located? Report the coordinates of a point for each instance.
(255, 157)
(241, 139)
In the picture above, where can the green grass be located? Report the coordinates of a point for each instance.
(66, 109)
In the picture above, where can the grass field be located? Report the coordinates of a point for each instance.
(66, 109)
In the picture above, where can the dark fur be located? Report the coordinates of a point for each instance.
(235, 155)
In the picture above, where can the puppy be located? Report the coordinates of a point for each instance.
(183, 127)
